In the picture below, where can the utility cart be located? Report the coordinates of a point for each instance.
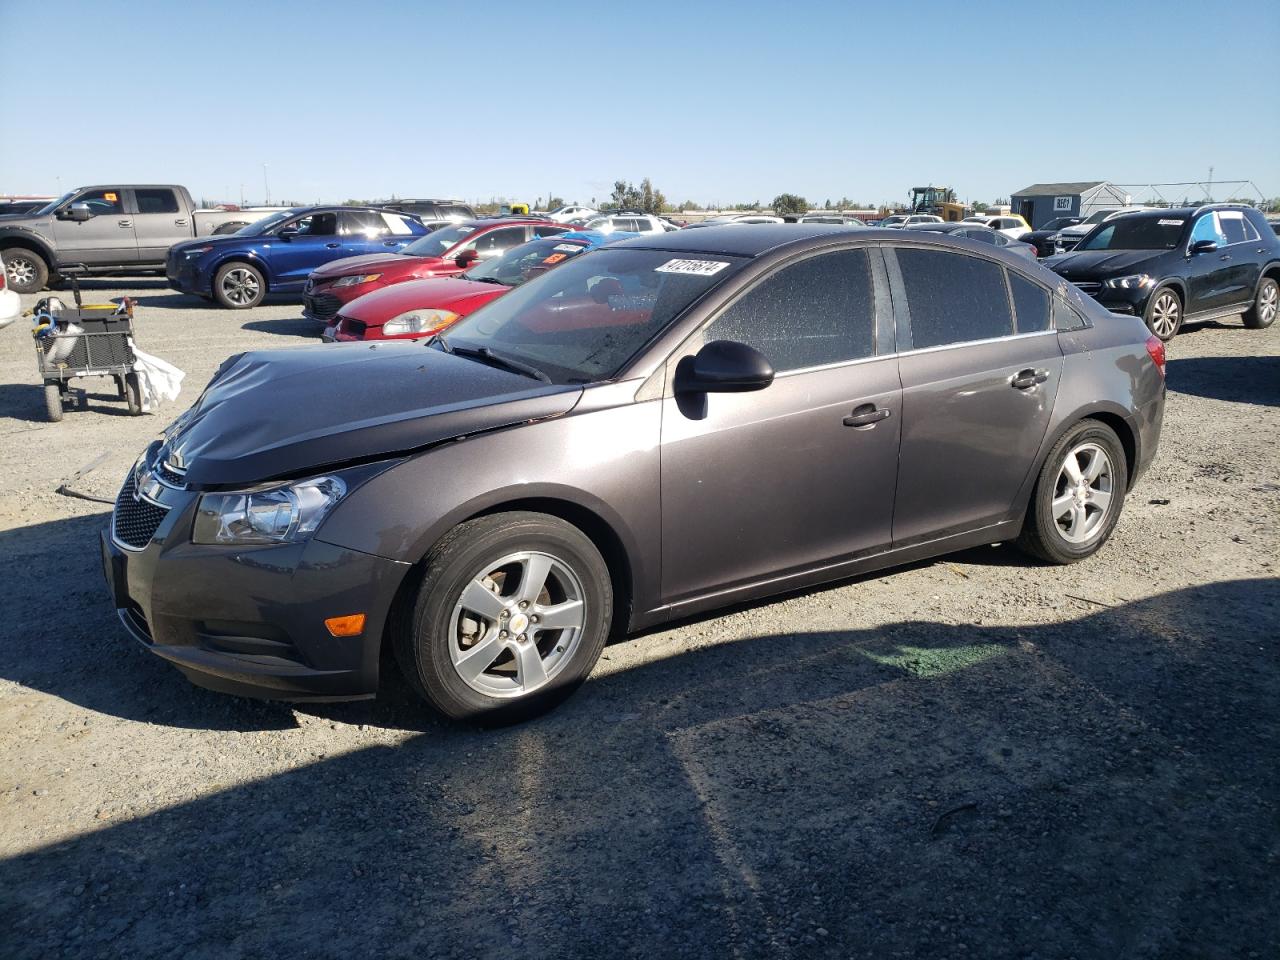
(87, 341)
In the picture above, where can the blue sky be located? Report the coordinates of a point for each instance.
(720, 102)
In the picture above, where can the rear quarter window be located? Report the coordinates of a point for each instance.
(1030, 304)
(953, 298)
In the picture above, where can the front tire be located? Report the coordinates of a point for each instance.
(511, 615)
(25, 272)
(1078, 496)
(1163, 315)
(53, 401)
(239, 286)
(1265, 305)
(133, 394)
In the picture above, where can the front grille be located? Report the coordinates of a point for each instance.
(1091, 287)
(134, 521)
(353, 328)
(169, 475)
(1067, 243)
(322, 306)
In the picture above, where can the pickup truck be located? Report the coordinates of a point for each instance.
(110, 229)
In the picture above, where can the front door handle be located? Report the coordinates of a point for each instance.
(1025, 379)
(124, 223)
(332, 246)
(867, 415)
(391, 243)
(180, 222)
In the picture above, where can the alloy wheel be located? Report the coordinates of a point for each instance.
(1165, 314)
(1083, 492)
(240, 286)
(1267, 304)
(21, 271)
(516, 624)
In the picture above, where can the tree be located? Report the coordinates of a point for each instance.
(644, 198)
(790, 205)
(979, 207)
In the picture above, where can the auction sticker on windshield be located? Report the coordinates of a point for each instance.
(1172, 223)
(699, 268)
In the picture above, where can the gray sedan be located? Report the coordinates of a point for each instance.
(981, 233)
(655, 429)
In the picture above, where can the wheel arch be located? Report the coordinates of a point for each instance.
(1270, 272)
(1178, 285)
(32, 242)
(1112, 416)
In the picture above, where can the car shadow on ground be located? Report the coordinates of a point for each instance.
(287, 327)
(1099, 787)
(1240, 379)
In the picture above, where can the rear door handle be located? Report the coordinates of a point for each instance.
(866, 415)
(124, 223)
(332, 246)
(1025, 379)
(180, 222)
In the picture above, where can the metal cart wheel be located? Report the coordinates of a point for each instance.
(133, 394)
(120, 389)
(53, 400)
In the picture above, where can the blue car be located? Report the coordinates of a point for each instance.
(278, 252)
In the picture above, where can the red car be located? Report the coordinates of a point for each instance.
(445, 252)
(424, 307)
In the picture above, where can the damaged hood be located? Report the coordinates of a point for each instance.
(278, 413)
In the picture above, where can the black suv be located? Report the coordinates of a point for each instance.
(1193, 263)
(428, 210)
(1042, 237)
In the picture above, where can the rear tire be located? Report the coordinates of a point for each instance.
(25, 271)
(1163, 315)
(473, 647)
(1078, 496)
(133, 394)
(239, 286)
(53, 401)
(1265, 305)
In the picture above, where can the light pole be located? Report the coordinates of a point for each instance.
(266, 186)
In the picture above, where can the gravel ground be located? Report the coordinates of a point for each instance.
(974, 757)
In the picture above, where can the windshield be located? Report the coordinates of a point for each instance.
(53, 205)
(1060, 222)
(437, 242)
(584, 321)
(269, 222)
(1136, 233)
(525, 261)
(1100, 215)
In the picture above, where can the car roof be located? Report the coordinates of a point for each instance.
(504, 222)
(732, 240)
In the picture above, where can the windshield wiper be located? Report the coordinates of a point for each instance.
(486, 280)
(494, 360)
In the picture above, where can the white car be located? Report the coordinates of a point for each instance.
(1012, 226)
(1067, 238)
(626, 223)
(10, 302)
(900, 220)
(569, 212)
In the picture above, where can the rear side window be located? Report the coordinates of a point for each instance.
(156, 201)
(363, 223)
(1065, 317)
(1030, 304)
(1236, 228)
(953, 298)
(818, 311)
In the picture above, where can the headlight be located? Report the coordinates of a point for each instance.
(196, 252)
(418, 321)
(281, 514)
(358, 278)
(1137, 281)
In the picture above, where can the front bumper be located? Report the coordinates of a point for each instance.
(184, 275)
(250, 620)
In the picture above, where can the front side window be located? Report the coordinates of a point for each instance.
(316, 225)
(102, 202)
(953, 298)
(815, 312)
(1030, 304)
(156, 201)
(585, 320)
(1207, 228)
(496, 241)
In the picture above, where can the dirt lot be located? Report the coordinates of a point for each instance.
(975, 757)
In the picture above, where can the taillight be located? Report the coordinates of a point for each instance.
(1155, 348)
(2, 274)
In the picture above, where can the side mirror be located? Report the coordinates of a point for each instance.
(79, 212)
(467, 257)
(724, 366)
(1204, 246)
(287, 234)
